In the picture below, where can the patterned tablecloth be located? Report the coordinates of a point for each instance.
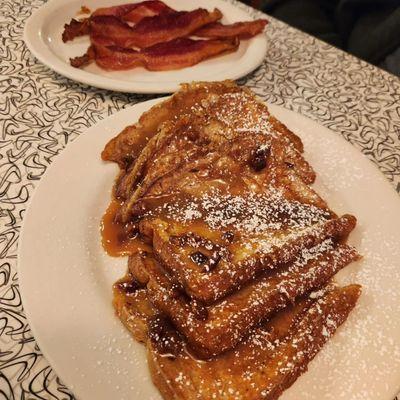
(41, 112)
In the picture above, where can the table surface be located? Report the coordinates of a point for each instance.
(41, 112)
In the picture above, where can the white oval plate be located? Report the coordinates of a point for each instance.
(43, 32)
(66, 277)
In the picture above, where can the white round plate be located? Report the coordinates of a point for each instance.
(66, 277)
(43, 32)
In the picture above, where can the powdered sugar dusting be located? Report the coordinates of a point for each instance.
(369, 313)
(250, 213)
(365, 351)
(234, 111)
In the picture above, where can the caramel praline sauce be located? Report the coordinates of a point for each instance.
(119, 239)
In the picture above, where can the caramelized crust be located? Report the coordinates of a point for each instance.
(262, 366)
(239, 261)
(126, 147)
(194, 163)
(225, 121)
(192, 106)
(133, 307)
(214, 329)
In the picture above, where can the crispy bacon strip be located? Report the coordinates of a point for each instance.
(75, 28)
(135, 12)
(242, 30)
(126, 12)
(112, 30)
(151, 30)
(176, 54)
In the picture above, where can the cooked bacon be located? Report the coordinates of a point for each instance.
(242, 30)
(161, 34)
(86, 59)
(173, 25)
(135, 12)
(112, 30)
(151, 30)
(75, 28)
(176, 54)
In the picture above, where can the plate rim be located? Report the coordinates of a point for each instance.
(21, 243)
(33, 38)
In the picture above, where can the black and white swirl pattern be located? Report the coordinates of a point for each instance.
(41, 112)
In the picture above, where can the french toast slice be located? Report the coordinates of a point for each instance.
(183, 141)
(212, 330)
(125, 148)
(219, 114)
(249, 163)
(133, 307)
(262, 366)
(209, 264)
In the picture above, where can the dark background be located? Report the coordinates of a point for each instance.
(369, 29)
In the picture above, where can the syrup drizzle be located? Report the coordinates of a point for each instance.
(118, 239)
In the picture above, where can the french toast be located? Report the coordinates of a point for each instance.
(213, 236)
(209, 269)
(197, 140)
(125, 148)
(261, 366)
(224, 167)
(226, 239)
(195, 121)
(248, 164)
(135, 310)
(133, 307)
(212, 330)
